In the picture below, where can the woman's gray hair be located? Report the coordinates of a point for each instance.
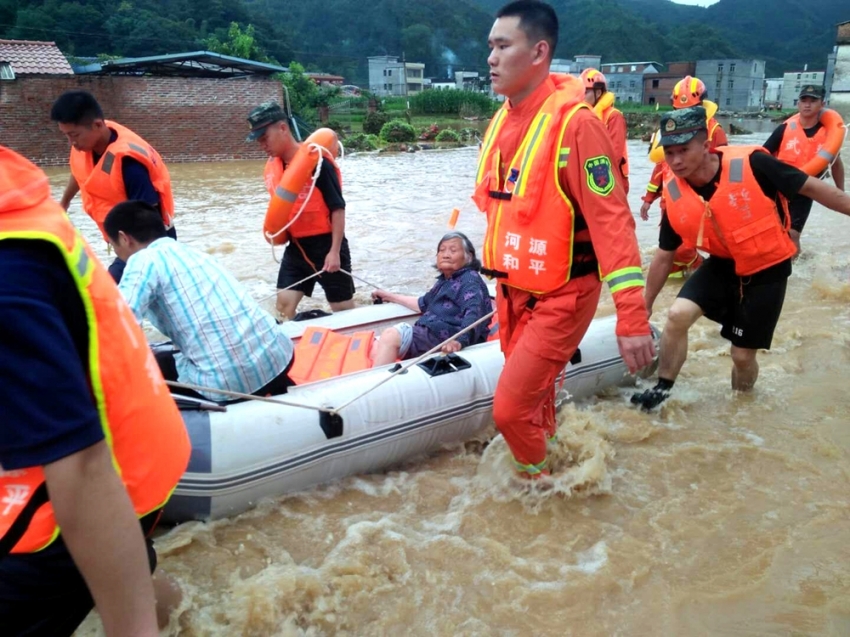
(468, 249)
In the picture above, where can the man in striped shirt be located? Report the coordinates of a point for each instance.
(225, 339)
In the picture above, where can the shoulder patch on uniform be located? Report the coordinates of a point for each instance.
(600, 177)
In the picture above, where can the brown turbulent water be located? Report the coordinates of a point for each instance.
(723, 514)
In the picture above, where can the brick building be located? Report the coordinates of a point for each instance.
(190, 107)
(658, 87)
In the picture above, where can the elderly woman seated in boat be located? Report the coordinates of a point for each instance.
(457, 300)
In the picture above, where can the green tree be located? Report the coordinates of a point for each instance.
(303, 91)
(239, 43)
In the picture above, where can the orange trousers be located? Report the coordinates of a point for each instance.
(538, 343)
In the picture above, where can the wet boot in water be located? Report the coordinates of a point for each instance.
(652, 398)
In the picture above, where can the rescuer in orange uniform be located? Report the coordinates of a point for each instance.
(725, 203)
(91, 442)
(557, 220)
(110, 164)
(595, 86)
(689, 91)
(797, 140)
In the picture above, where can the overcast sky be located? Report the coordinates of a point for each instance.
(700, 3)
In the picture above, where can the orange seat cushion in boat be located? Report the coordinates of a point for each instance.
(322, 353)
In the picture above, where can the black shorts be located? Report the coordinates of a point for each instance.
(294, 266)
(747, 308)
(44, 595)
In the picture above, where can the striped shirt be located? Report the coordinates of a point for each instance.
(226, 339)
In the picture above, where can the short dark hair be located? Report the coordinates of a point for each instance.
(136, 219)
(537, 19)
(76, 107)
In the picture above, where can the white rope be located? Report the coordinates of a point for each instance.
(289, 287)
(236, 394)
(354, 276)
(410, 364)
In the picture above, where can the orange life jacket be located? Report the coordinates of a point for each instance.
(530, 219)
(142, 427)
(624, 164)
(102, 185)
(796, 148)
(712, 125)
(316, 217)
(739, 223)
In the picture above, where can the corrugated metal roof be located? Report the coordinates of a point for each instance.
(27, 57)
(193, 64)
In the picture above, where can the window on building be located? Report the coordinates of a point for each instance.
(795, 102)
(385, 72)
(798, 76)
(731, 83)
(652, 100)
(6, 72)
(619, 69)
(755, 67)
(631, 84)
(654, 83)
(634, 68)
(728, 101)
(389, 72)
(732, 67)
(720, 68)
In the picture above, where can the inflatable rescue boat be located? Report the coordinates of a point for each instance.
(244, 452)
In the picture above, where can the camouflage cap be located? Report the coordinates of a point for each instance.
(681, 126)
(812, 90)
(265, 114)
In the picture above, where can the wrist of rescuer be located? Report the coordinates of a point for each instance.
(632, 316)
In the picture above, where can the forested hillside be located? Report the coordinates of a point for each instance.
(337, 35)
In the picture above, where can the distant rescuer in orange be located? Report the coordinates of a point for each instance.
(595, 87)
(729, 202)
(110, 164)
(689, 91)
(317, 239)
(557, 216)
(796, 141)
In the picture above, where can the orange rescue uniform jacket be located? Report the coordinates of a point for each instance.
(716, 136)
(739, 222)
(618, 130)
(316, 217)
(553, 203)
(142, 427)
(102, 184)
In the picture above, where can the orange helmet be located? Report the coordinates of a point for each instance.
(688, 91)
(591, 78)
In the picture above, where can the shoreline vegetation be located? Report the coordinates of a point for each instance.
(440, 119)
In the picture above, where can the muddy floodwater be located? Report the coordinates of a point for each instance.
(721, 515)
